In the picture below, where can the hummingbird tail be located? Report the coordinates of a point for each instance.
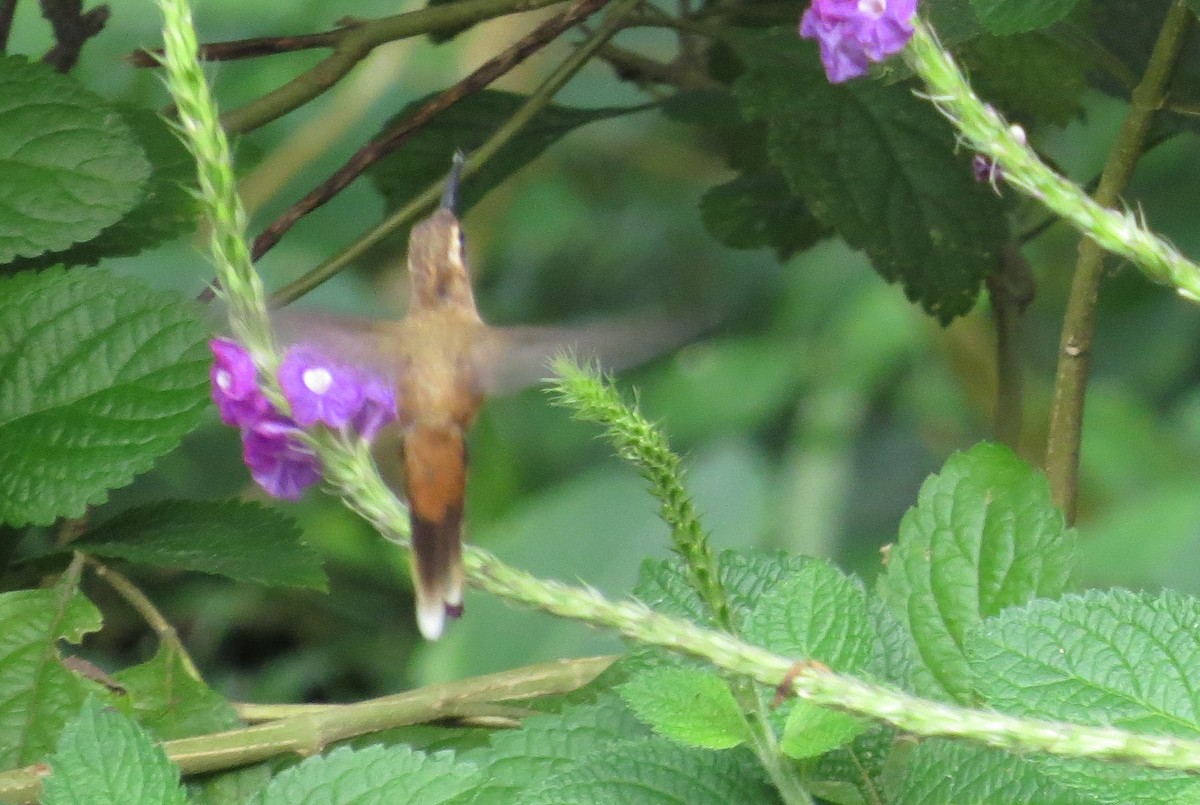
(435, 464)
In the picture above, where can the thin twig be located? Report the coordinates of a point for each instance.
(150, 614)
(392, 139)
(72, 28)
(354, 43)
(1079, 320)
(7, 9)
(404, 216)
(246, 48)
(1011, 290)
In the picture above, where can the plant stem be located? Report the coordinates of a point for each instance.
(476, 159)
(1079, 320)
(352, 45)
(397, 135)
(150, 614)
(983, 128)
(305, 729)
(1011, 290)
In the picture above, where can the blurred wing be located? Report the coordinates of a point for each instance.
(518, 357)
(371, 343)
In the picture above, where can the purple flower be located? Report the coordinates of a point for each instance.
(318, 388)
(985, 169)
(235, 384)
(853, 33)
(277, 460)
(378, 406)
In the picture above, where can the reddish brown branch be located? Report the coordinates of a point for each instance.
(392, 139)
(72, 28)
(246, 48)
(7, 9)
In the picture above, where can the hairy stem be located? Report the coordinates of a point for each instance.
(1079, 321)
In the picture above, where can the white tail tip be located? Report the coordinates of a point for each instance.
(431, 619)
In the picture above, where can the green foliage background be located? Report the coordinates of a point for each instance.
(809, 417)
(805, 428)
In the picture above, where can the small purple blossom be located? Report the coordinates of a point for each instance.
(984, 169)
(235, 384)
(278, 461)
(378, 406)
(853, 33)
(318, 388)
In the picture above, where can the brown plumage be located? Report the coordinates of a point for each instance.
(444, 359)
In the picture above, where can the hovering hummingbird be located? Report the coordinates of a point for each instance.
(444, 360)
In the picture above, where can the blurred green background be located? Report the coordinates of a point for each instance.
(808, 418)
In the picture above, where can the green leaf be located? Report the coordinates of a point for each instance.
(1032, 77)
(426, 157)
(37, 693)
(879, 166)
(817, 613)
(545, 744)
(71, 166)
(983, 536)
(812, 730)
(1017, 16)
(103, 758)
(168, 207)
(943, 772)
(377, 774)
(656, 771)
(98, 377)
(1108, 658)
(170, 703)
(759, 209)
(244, 541)
(745, 575)
(688, 705)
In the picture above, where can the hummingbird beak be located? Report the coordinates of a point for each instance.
(450, 196)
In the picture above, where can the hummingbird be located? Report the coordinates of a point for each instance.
(444, 361)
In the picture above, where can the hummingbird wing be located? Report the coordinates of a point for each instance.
(357, 340)
(518, 357)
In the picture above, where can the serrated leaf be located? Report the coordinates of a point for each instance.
(1018, 16)
(812, 730)
(688, 705)
(879, 166)
(1109, 658)
(426, 157)
(659, 772)
(759, 209)
(167, 209)
(241, 540)
(983, 536)
(943, 772)
(168, 701)
(71, 166)
(1031, 77)
(37, 694)
(104, 758)
(817, 613)
(99, 376)
(544, 744)
(376, 774)
(745, 575)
